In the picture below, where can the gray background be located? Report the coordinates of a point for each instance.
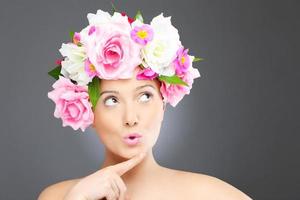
(240, 123)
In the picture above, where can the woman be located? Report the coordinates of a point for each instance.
(127, 114)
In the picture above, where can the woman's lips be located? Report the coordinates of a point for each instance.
(132, 139)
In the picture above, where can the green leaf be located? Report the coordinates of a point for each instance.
(94, 91)
(72, 35)
(113, 7)
(55, 72)
(139, 16)
(197, 59)
(172, 80)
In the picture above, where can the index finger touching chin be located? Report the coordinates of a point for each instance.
(123, 167)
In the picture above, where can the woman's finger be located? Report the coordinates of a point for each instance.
(123, 167)
(115, 188)
(122, 187)
(111, 195)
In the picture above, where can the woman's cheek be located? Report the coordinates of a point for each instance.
(112, 124)
(103, 127)
(153, 125)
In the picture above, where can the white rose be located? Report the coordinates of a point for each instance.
(161, 51)
(73, 64)
(100, 17)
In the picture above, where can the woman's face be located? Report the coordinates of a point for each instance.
(129, 106)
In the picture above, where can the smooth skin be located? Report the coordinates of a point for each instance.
(128, 106)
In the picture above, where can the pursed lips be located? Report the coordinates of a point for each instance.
(132, 139)
(133, 135)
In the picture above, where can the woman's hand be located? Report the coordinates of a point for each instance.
(105, 183)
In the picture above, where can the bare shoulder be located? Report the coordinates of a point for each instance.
(202, 186)
(57, 190)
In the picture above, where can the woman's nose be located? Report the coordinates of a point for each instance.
(130, 116)
(131, 123)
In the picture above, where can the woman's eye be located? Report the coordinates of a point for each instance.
(110, 101)
(146, 96)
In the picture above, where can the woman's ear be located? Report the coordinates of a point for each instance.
(164, 104)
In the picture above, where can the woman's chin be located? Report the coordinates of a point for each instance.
(130, 153)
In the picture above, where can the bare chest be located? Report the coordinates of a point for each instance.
(160, 191)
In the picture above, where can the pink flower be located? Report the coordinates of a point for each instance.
(111, 50)
(90, 68)
(76, 38)
(72, 104)
(182, 61)
(142, 34)
(174, 92)
(146, 74)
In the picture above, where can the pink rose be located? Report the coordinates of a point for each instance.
(146, 74)
(72, 104)
(110, 48)
(174, 92)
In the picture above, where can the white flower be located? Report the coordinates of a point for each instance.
(73, 64)
(161, 51)
(100, 17)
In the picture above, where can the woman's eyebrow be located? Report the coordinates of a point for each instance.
(138, 88)
(109, 91)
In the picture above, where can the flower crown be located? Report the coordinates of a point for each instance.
(110, 47)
